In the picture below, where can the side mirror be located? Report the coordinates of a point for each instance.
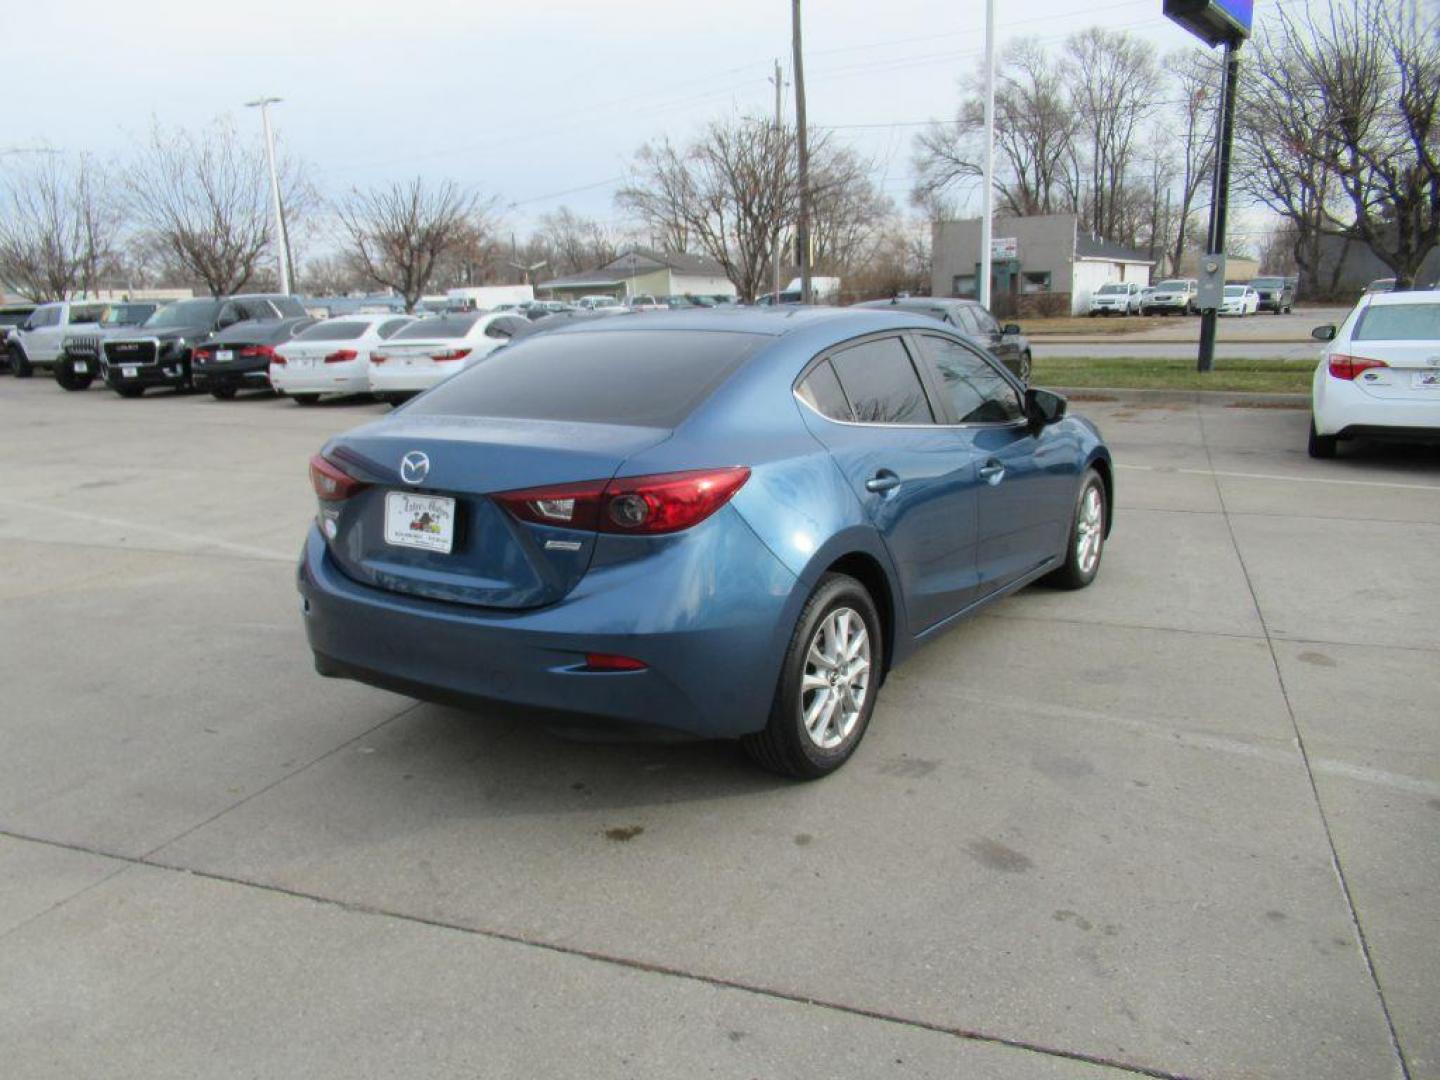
(1010, 328)
(1043, 406)
(1324, 333)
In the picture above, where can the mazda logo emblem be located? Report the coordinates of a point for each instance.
(414, 467)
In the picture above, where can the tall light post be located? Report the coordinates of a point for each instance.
(281, 240)
(987, 198)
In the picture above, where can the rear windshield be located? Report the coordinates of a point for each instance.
(333, 331)
(1268, 283)
(637, 377)
(442, 326)
(1398, 322)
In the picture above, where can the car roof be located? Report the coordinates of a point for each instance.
(1424, 296)
(770, 322)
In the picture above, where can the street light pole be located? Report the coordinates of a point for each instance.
(987, 200)
(1219, 200)
(281, 240)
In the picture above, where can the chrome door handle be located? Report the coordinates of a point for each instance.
(992, 472)
(882, 481)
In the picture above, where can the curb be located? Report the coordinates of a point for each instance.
(1236, 399)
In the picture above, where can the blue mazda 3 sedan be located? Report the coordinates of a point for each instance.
(718, 523)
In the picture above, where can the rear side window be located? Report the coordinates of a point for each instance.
(881, 383)
(645, 378)
(332, 331)
(821, 391)
(1398, 322)
(978, 393)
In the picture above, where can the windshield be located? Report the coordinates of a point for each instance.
(333, 331)
(1234, 290)
(1399, 322)
(184, 313)
(1175, 285)
(1111, 290)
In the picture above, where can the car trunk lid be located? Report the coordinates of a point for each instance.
(1411, 371)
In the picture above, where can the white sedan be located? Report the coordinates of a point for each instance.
(1239, 300)
(1379, 376)
(332, 357)
(430, 350)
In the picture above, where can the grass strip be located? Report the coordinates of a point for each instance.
(1138, 373)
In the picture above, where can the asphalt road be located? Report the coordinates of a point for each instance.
(1089, 835)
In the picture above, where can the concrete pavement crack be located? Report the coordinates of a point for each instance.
(1335, 862)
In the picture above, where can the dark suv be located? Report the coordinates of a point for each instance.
(1006, 343)
(159, 352)
(1277, 294)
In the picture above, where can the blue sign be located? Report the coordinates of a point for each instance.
(1214, 22)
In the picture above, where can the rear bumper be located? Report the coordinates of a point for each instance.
(712, 637)
(1343, 409)
(328, 379)
(213, 377)
(392, 378)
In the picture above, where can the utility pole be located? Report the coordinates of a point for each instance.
(282, 242)
(1219, 201)
(779, 127)
(802, 223)
(987, 201)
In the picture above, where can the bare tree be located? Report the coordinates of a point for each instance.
(1197, 80)
(1355, 150)
(732, 193)
(1034, 138)
(574, 243)
(59, 227)
(205, 196)
(399, 234)
(1114, 83)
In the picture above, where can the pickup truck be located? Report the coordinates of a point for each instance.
(35, 343)
(159, 352)
(79, 361)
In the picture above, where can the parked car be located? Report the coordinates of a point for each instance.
(538, 309)
(332, 357)
(430, 350)
(1381, 285)
(1379, 374)
(36, 342)
(1116, 298)
(11, 316)
(686, 302)
(588, 303)
(1239, 300)
(721, 524)
(159, 352)
(645, 302)
(79, 363)
(238, 357)
(1174, 295)
(971, 319)
(1276, 294)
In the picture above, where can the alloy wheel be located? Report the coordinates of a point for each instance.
(1089, 530)
(836, 681)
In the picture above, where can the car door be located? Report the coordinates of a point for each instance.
(1027, 475)
(915, 480)
(42, 344)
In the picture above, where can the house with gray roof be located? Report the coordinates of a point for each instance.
(644, 272)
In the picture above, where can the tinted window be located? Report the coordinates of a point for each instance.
(978, 393)
(881, 383)
(391, 327)
(337, 330)
(88, 314)
(821, 390)
(288, 306)
(961, 316)
(1398, 322)
(646, 378)
(48, 316)
(439, 326)
(184, 313)
(985, 321)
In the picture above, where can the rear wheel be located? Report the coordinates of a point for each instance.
(305, 399)
(828, 682)
(1321, 446)
(222, 393)
(1087, 536)
(19, 365)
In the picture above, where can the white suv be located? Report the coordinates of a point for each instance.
(36, 343)
(1172, 294)
(1116, 298)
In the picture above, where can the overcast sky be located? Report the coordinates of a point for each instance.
(528, 101)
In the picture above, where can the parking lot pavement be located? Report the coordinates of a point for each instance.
(1263, 336)
(1090, 834)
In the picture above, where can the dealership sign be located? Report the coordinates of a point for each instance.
(1004, 247)
(1215, 22)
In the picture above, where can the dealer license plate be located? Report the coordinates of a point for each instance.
(1426, 380)
(420, 521)
(128, 370)
(81, 367)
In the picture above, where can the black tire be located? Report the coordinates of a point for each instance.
(306, 399)
(129, 391)
(19, 365)
(1321, 446)
(786, 746)
(222, 393)
(1078, 571)
(68, 380)
(1026, 363)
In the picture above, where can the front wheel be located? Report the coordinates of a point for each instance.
(1087, 536)
(222, 393)
(828, 682)
(19, 364)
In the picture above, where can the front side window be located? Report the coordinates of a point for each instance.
(46, 316)
(978, 393)
(985, 321)
(881, 384)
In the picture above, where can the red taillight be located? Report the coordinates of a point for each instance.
(450, 354)
(329, 482)
(254, 352)
(637, 505)
(278, 358)
(378, 357)
(1348, 367)
(340, 356)
(595, 661)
